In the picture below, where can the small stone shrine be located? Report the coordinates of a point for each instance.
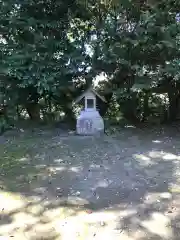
(89, 122)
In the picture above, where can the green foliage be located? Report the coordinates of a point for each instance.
(51, 49)
(40, 51)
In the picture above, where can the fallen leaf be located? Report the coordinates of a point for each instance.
(170, 211)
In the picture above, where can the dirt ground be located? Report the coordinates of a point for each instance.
(58, 186)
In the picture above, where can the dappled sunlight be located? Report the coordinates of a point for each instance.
(35, 216)
(156, 154)
(163, 155)
(11, 201)
(170, 156)
(55, 169)
(56, 144)
(58, 160)
(70, 217)
(38, 218)
(91, 189)
(130, 126)
(156, 141)
(40, 157)
(95, 166)
(76, 169)
(158, 225)
(146, 221)
(28, 218)
(24, 159)
(66, 168)
(166, 195)
(152, 157)
(102, 183)
(145, 161)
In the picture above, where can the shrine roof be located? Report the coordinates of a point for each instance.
(78, 99)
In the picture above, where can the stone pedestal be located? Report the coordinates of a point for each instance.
(89, 122)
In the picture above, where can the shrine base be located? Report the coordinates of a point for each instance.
(89, 123)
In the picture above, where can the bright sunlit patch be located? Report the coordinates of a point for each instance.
(130, 126)
(59, 160)
(163, 155)
(128, 212)
(2, 40)
(10, 201)
(57, 169)
(95, 166)
(77, 201)
(174, 189)
(169, 156)
(24, 159)
(166, 195)
(21, 217)
(99, 78)
(157, 141)
(99, 216)
(157, 224)
(156, 154)
(40, 156)
(144, 160)
(102, 183)
(141, 157)
(75, 169)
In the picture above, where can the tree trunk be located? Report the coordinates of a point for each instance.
(173, 104)
(145, 106)
(102, 106)
(33, 111)
(18, 112)
(69, 116)
(173, 95)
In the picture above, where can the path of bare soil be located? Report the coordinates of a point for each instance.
(124, 186)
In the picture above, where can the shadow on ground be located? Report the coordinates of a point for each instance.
(126, 186)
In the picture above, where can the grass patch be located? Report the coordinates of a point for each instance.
(16, 163)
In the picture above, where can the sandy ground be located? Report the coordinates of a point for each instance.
(124, 186)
